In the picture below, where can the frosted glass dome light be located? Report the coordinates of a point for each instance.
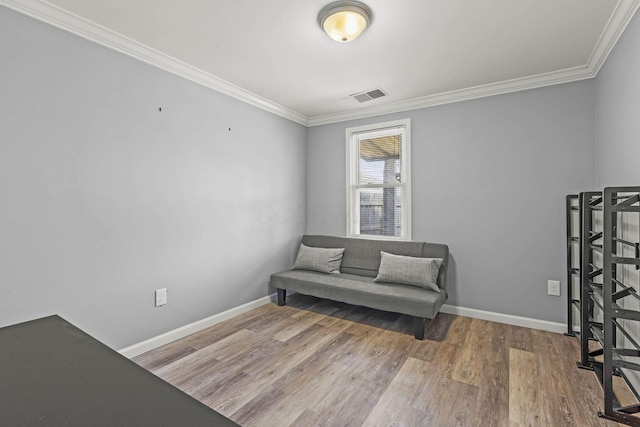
(344, 21)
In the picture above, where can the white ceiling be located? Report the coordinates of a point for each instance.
(421, 52)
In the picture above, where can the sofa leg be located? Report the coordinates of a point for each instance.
(282, 296)
(418, 327)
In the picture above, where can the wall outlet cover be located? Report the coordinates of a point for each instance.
(553, 287)
(161, 297)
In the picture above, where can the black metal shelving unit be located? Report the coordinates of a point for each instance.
(621, 206)
(573, 263)
(591, 300)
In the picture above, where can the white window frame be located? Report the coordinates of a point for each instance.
(353, 136)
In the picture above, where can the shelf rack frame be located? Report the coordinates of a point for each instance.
(617, 203)
(590, 202)
(573, 248)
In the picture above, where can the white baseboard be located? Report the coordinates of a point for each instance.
(191, 328)
(527, 322)
(183, 331)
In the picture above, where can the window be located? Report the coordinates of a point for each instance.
(378, 181)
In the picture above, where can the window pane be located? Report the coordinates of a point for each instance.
(380, 160)
(381, 211)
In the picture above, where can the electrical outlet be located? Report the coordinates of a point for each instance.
(161, 297)
(553, 287)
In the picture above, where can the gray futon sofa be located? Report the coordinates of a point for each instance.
(355, 285)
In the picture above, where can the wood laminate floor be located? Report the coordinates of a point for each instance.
(315, 362)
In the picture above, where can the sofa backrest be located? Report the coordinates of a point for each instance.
(362, 256)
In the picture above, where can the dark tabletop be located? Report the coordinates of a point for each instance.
(53, 374)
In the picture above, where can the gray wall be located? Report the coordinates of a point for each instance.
(105, 198)
(489, 179)
(618, 113)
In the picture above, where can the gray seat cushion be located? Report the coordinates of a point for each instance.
(363, 291)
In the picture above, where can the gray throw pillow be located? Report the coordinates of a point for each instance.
(324, 260)
(408, 270)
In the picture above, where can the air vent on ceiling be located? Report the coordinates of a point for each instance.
(368, 95)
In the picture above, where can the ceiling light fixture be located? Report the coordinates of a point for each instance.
(343, 21)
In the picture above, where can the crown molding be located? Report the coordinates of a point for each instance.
(42, 10)
(622, 15)
(60, 18)
(481, 91)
